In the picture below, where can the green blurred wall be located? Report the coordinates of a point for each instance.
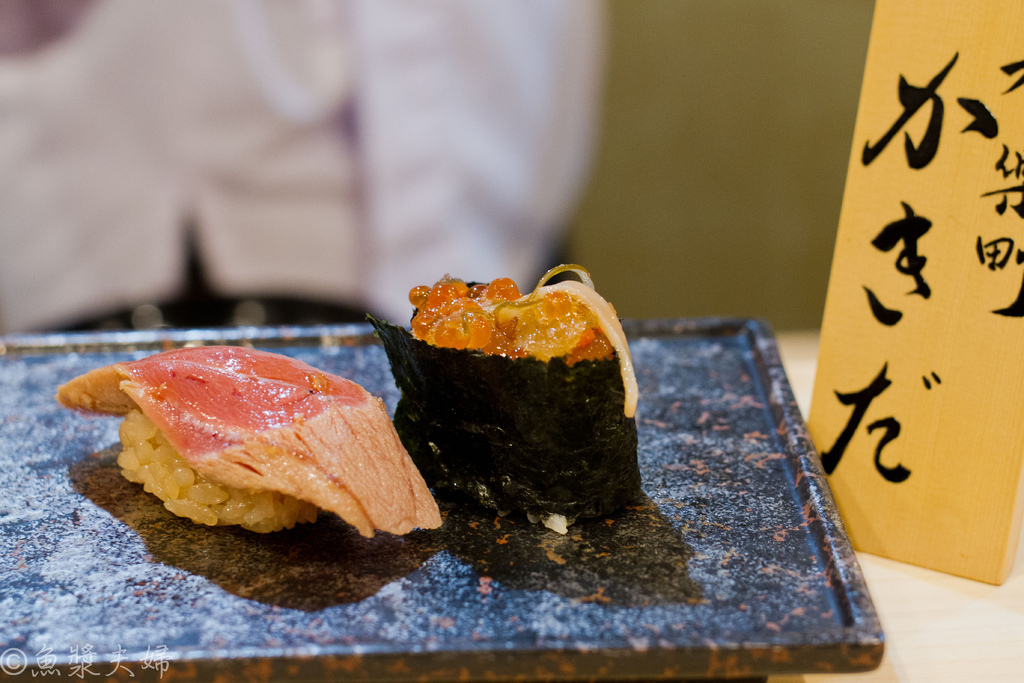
(719, 177)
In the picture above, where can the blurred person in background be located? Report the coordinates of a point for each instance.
(210, 162)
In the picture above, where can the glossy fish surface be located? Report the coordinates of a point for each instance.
(263, 421)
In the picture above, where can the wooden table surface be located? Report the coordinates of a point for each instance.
(938, 627)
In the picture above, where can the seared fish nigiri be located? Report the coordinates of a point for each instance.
(228, 435)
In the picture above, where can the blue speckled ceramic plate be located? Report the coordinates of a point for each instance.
(735, 564)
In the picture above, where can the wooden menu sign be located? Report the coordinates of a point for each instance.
(918, 404)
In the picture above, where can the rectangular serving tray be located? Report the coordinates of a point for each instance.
(734, 564)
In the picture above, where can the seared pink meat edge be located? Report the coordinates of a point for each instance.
(263, 421)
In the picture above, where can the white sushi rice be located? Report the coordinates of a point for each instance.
(147, 458)
(558, 523)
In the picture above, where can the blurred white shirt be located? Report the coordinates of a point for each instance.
(343, 150)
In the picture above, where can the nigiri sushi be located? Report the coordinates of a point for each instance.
(229, 435)
(520, 402)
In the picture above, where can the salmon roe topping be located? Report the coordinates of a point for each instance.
(497, 319)
(418, 296)
(503, 289)
(441, 294)
(556, 305)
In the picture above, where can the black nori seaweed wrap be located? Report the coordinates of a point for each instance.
(515, 434)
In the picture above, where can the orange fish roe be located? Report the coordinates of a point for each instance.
(442, 293)
(418, 296)
(497, 319)
(556, 305)
(502, 289)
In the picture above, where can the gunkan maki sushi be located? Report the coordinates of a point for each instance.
(522, 403)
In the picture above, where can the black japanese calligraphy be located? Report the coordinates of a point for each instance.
(996, 254)
(913, 98)
(896, 474)
(907, 230)
(1009, 70)
(886, 316)
(1006, 170)
(1016, 170)
(983, 122)
(861, 401)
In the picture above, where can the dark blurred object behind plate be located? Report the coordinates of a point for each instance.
(734, 564)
